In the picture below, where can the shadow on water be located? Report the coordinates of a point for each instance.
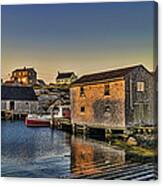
(52, 135)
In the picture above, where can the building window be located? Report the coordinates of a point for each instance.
(107, 90)
(82, 109)
(107, 111)
(140, 86)
(25, 73)
(12, 105)
(81, 91)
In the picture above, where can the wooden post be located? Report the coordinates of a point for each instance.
(108, 133)
(73, 128)
(52, 120)
(12, 115)
(149, 130)
(84, 130)
(144, 131)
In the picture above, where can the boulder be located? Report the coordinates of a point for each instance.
(132, 141)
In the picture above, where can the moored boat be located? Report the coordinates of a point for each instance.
(33, 120)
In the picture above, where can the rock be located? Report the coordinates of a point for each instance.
(132, 141)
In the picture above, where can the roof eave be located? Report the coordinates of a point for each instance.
(8, 99)
(96, 82)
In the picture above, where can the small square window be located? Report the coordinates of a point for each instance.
(107, 90)
(140, 86)
(82, 109)
(81, 91)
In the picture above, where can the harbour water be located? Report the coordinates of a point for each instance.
(47, 153)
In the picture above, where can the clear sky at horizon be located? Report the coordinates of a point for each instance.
(83, 38)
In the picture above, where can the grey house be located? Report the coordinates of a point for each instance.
(21, 100)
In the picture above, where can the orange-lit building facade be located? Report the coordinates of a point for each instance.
(100, 103)
(24, 76)
(116, 98)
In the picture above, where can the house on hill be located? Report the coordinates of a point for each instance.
(24, 76)
(65, 78)
(18, 99)
(116, 98)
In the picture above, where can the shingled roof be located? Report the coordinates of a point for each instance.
(18, 93)
(24, 69)
(105, 75)
(65, 75)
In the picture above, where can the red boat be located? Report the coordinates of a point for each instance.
(33, 120)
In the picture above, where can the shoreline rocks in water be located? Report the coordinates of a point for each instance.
(132, 141)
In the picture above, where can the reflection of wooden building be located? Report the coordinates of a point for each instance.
(86, 157)
(82, 157)
(18, 99)
(24, 76)
(114, 98)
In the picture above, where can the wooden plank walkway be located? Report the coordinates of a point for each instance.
(131, 171)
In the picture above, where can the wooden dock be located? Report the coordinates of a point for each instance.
(99, 131)
(11, 115)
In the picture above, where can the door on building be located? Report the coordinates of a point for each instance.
(12, 105)
(141, 113)
(138, 113)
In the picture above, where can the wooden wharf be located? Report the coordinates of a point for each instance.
(99, 131)
(11, 115)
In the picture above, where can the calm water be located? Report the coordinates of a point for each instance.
(42, 152)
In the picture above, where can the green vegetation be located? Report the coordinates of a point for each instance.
(139, 150)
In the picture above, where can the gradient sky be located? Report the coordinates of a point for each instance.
(83, 38)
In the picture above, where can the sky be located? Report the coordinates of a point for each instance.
(83, 38)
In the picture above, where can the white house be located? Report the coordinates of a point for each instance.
(65, 78)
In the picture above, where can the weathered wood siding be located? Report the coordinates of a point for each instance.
(20, 106)
(139, 105)
(99, 108)
(3, 105)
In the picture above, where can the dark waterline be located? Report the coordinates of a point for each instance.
(42, 152)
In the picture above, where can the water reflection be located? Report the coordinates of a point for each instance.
(87, 157)
(82, 157)
(42, 152)
(33, 152)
